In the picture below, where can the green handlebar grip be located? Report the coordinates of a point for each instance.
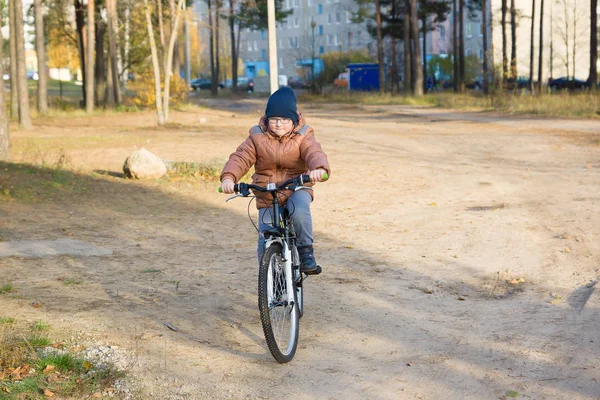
(325, 176)
(220, 189)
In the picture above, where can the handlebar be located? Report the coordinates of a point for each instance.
(243, 188)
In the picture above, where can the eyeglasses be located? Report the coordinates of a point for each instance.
(274, 121)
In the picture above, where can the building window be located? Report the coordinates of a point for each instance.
(311, 3)
(469, 52)
(329, 19)
(469, 30)
(296, 3)
(320, 30)
(480, 29)
(249, 46)
(338, 17)
(329, 39)
(296, 22)
(336, 39)
(255, 45)
(321, 50)
(262, 35)
(296, 41)
(480, 54)
(320, 9)
(288, 4)
(348, 17)
(442, 32)
(263, 53)
(349, 39)
(280, 62)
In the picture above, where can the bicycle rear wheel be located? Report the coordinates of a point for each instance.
(279, 318)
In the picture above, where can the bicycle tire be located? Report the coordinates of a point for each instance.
(280, 320)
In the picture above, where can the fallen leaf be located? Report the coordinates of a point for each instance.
(6, 389)
(96, 395)
(48, 393)
(87, 365)
(456, 256)
(49, 368)
(433, 204)
(428, 291)
(555, 301)
(460, 298)
(566, 250)
(35, 304)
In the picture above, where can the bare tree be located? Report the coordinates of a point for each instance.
(394, 79)
(484, 27)
(414, 22)
(155, 65)
(461, 48)
(513, 37)
(89, 76)
(234, 63)
(531, 47)
(24, 116)
(111, 10)
(80, 26)
(455, 60)
(407, 46)
(4, 136)
(379, 46)
(593, 77)
(504, 45)
(14, 97)
(541, 48)
(100, 81)
(40, 48)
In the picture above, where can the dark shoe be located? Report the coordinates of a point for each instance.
(308, 265)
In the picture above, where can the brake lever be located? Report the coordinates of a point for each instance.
(301, 188)
(233, 197)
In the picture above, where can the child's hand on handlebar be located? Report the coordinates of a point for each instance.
(227, 186)
(317, 175)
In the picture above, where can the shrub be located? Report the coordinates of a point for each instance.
(145, 93)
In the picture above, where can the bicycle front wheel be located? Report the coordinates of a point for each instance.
(279, 317)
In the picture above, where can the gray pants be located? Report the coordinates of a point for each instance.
(299, 206)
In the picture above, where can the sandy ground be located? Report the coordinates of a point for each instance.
(427, 219)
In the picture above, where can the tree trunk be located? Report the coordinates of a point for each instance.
(23, 91)
(593, 78)
(406, 40)
(513, 38)
(80, 26)
(504, 46)
(379, 47)
(169, 62)
(213, 73)
(40, 48)
(424, 28)
(461, 48)
(4, 136)
(216, 78)
(155, 65)
(484, 22)
(394, 56)
(126, 46)
(111, 9)
(234, 64)
(100, 68)
(414, 22)
(14, 96)
(89, 73)
(176, 64)
(541, 48)
(455, 58)
(531, 48)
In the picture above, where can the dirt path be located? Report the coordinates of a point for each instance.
(427, 219)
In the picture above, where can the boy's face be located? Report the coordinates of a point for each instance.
(280, 126)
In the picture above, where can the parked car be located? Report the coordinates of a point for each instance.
(201, 83)
(33, 75)
(566, 83)
(295, 82)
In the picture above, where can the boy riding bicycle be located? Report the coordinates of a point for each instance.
(280, 147)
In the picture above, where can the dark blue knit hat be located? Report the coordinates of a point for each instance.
(282, 103)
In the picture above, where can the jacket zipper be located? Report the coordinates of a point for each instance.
(277, 161)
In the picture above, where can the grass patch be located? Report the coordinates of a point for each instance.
(181, 169)
(151, 271)
(71, 281)
(6, 320)
(569, 105)
(29, 183)
(6, 288)
(28, 372)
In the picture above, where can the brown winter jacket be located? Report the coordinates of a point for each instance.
(276, 159)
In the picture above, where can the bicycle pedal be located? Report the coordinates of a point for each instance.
(315, 272)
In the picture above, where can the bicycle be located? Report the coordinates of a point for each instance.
(280, 281)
